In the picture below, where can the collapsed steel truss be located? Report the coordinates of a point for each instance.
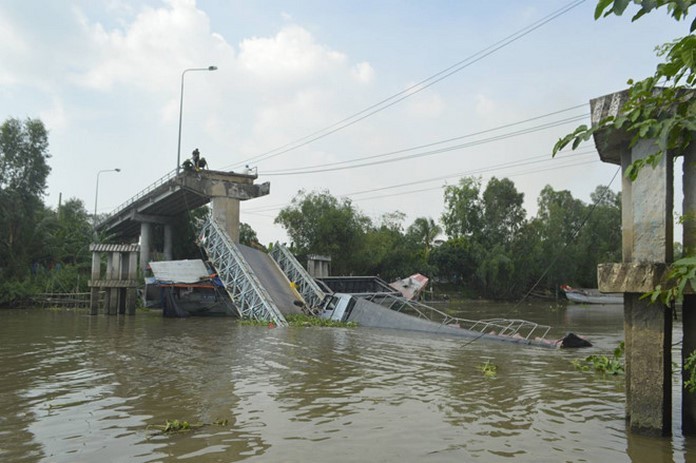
(293, 270)
(250, 298)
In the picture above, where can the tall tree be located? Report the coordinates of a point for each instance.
(23, 174)
(424, 230)
(463, 209)
(319, 223)
(503, 214)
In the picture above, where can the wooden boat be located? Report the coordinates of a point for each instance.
(591, 296)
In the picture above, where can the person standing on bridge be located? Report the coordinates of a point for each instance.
(199, 163)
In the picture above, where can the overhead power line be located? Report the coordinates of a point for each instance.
(539, 159)
(410, 91)
(327, 167)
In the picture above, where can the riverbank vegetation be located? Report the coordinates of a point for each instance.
(488, 247)
(482, 246)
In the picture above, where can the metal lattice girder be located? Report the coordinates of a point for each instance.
(247, 293)
(293, 270)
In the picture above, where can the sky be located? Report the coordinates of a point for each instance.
(312, 94)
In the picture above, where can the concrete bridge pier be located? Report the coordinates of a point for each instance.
(146, 237)
(145, 243)
(647, 242)
(225, 212)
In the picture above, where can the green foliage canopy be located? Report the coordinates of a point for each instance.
(23, 173)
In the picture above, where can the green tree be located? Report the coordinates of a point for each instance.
(23, 173)
(559, 219)
(67, 234)
(247, 235)
(319, 223)
(387, 251)
(503, 214)
(454, 261)
(463, 208)
(423, 231)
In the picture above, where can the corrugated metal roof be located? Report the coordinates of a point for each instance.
(114, 247)
(180, 271)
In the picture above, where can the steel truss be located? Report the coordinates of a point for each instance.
(305, 284)
(250, 298)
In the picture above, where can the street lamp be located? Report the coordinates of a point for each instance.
(181, 110)
(96, 193)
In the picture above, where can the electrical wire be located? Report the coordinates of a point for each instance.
(320, 169)
(530, 161)
(469, 135)
(410, 91)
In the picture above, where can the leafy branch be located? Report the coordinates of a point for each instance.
(661, 108)
(681, 273)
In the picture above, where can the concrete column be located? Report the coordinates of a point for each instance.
(689, 305)
(648, 238)
(132, 265)
(113, 273)
(94, 291)
(145, 244)
(226, 214)
(131, 295)
(649, 366)
(647, 244)
(168, 242)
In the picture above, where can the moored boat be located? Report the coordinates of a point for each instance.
(591, 296)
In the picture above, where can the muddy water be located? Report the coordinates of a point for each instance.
(75, 388)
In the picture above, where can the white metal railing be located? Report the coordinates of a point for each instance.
(495, 326)
(159, 182)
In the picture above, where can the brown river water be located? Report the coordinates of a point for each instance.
(80, 388)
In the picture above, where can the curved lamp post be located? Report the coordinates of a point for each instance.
(181, 110)
(96, 193)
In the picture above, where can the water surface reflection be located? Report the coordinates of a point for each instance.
(79, 389)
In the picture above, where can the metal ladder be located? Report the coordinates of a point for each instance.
(250, 298)
(305, 284)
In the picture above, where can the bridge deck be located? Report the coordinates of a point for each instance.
(175, 194)
(272, 279)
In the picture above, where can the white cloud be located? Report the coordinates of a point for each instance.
(485, 106)
(159, 43)
(55, 117)
(12, 45)
(363, 72)
(291, 54)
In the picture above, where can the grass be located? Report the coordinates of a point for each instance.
(302, 320)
